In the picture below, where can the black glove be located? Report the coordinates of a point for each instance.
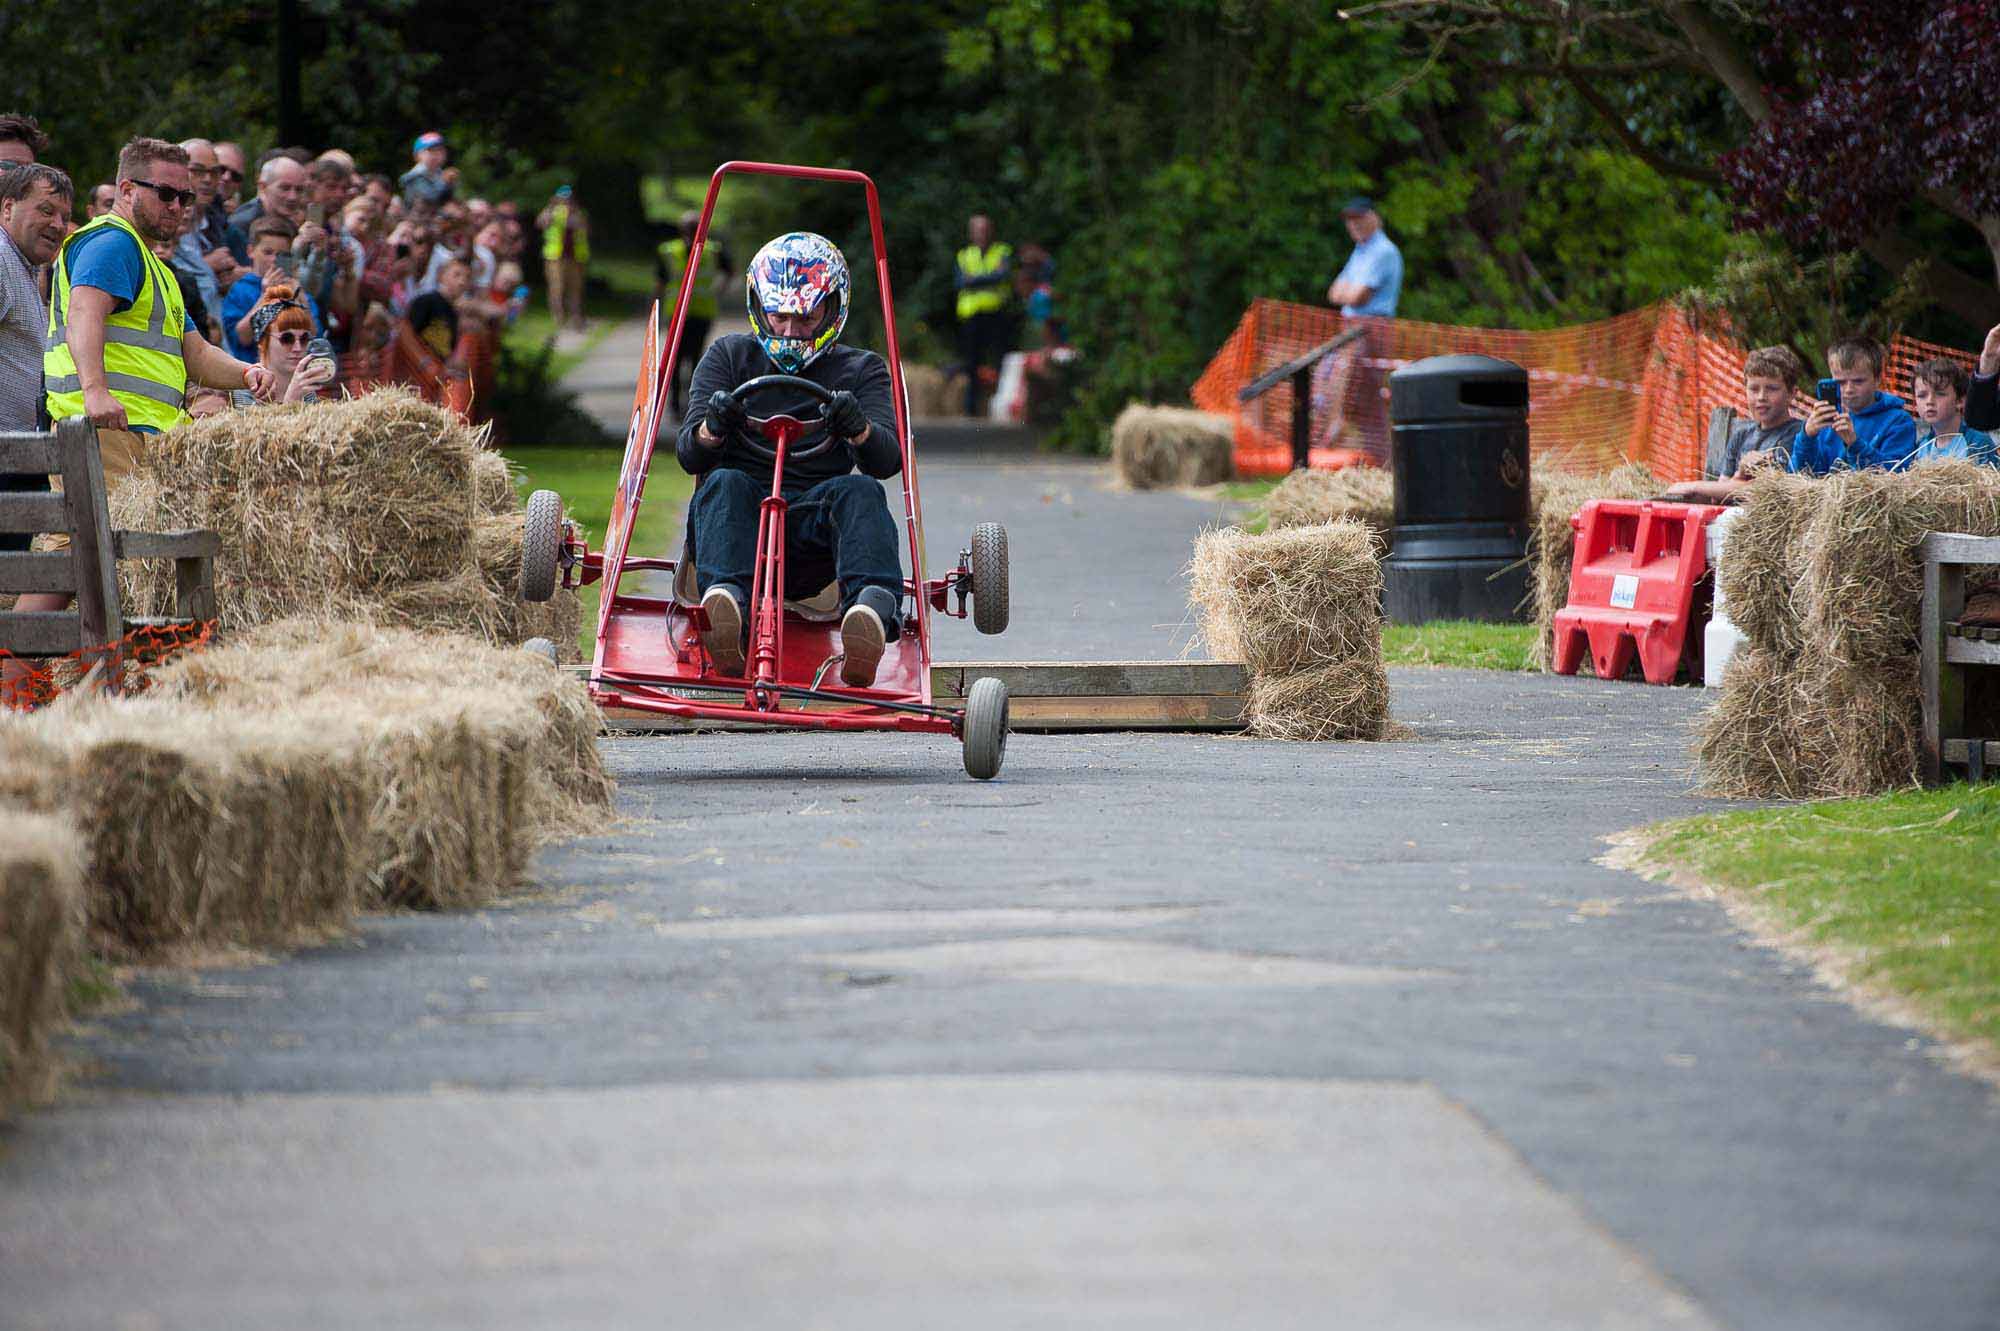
(844, 418)
(725, 417)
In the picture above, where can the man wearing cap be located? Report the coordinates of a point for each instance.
(565, 255)
(1368, 287)
(426, 183)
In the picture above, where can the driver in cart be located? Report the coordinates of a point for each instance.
(838, 524)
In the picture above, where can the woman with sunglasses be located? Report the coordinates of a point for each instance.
(281, 327)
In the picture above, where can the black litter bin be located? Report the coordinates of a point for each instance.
(1459, 457)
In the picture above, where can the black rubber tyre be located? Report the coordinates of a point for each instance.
(985, 729)
(989, 578)
(541, 545)
(543, 648)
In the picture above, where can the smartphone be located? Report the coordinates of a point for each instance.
(316, 214)
(319, 349)
(286, 263)
(1828, 391)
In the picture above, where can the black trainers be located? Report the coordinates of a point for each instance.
(723, 638)
(866, 628)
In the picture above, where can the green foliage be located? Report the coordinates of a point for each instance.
(1900, 887)
(1771, 297)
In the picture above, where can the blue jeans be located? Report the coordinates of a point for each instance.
(840, 528)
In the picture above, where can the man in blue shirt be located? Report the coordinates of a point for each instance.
(1869, 428)
(1348, 393)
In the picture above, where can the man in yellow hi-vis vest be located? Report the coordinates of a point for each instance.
(985, 269)
(120, 348)
(669, 267)
(565, 256)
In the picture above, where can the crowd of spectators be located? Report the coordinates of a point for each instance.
(404, 280)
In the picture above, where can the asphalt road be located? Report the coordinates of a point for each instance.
(1155, 1030)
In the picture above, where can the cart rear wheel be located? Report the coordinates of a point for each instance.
(541, 545)
(985, 729)
(543, 648)
(989, 579)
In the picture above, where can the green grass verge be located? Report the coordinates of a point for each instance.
(1459, 643)
(586, 478)
(1899, 889)
(626, 293)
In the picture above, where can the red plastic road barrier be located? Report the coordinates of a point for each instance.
(1631, 588)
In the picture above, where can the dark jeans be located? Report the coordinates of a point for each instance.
(839, 528)
(694, 336)
(981, 338)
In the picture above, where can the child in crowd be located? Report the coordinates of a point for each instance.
(1869, 428)
(1764, 439)
(1939, 387)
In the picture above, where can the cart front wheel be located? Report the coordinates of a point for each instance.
(543, 648)
(989, 578)
(985, 729)
(541, 545)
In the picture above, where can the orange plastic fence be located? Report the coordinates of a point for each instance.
(30, 682)
(1639, 387)
(407, 361)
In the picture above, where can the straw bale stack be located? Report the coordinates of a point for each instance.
(1152, 447)
(1824, 578)
(41, 942)
(1554, 499)
(201, 825)
(382, 509)
(1301, 607)
(1307, 498)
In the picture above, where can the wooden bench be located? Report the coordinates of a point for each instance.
(1947, 649)
(88, 570)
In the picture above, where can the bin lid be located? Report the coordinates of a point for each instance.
(1458, 387)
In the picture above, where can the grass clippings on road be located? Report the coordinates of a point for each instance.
(1892, 898)
(1460, 643)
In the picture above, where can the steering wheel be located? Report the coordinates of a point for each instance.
(771, 427)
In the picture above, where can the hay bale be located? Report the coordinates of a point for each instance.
(397, 672)
(1554, 500)
(1863, 578)
(493, 485)
(1289, 601)
(204, 824)
(318, 507)
(1782, 730)
(1307, 498)
(1346, 701)
(926, 387)
(1153, 447)
(41, 942)
(1763, 575)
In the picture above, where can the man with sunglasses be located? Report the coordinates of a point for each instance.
(121, 349)
(231, 171)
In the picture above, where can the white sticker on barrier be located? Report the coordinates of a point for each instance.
(1624, 591)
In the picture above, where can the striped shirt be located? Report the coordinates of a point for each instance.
(24, 322)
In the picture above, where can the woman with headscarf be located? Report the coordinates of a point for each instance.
(280, 327)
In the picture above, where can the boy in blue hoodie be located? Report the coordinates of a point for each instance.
(1938, 386)
(1869, 428)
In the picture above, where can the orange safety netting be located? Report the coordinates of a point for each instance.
(406, 360)
(1639, 387)
(28, 682)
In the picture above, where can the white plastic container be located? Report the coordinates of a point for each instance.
(1721, 638)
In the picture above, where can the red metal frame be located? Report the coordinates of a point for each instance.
(646, 657)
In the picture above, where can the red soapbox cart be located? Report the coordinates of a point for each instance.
(649, 654)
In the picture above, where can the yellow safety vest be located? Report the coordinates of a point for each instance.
(552, 239)
(143, 367)
(974, 262)
(674, 253)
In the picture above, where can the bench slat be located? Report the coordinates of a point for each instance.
(1951, 547)
(40, 632)
(189, 544)
(29, 453)
(28, 512)
(41, 571)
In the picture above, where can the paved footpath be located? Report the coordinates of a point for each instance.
(1154, 1031)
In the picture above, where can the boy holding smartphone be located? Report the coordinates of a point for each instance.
(1854, 424)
